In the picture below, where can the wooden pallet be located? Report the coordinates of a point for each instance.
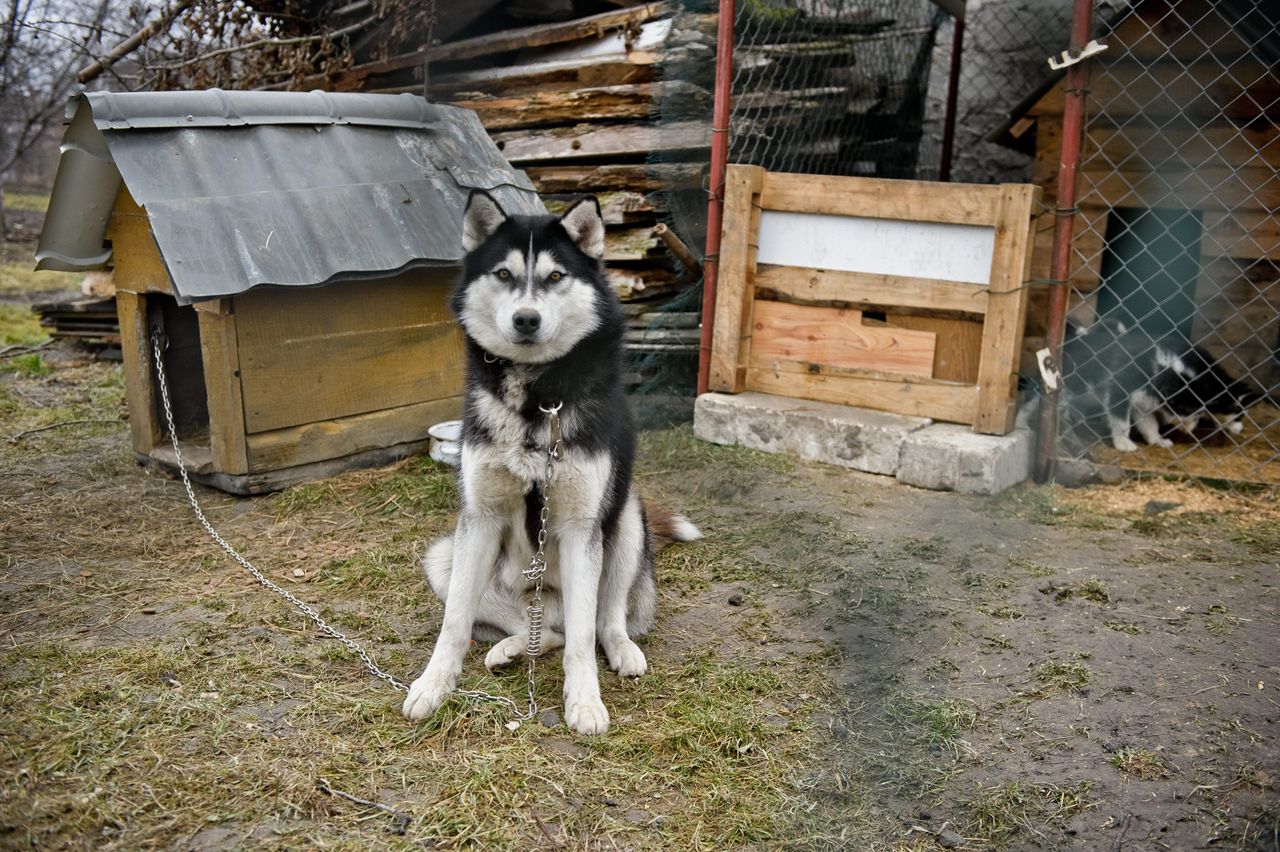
(939, 347)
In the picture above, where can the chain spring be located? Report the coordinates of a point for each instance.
(554, 453)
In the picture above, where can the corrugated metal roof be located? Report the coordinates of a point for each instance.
(249, 188)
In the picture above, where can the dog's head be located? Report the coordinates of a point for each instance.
(532, 287)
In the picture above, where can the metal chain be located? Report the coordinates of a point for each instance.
(554, 453)
(538, 562)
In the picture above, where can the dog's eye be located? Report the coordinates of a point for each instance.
(555, 276)
(504, 274)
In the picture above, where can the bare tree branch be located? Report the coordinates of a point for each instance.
(132, 43)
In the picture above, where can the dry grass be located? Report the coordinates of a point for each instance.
(154, 697)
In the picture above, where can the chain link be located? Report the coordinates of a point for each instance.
(534, 647)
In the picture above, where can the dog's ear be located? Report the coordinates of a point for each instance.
(482, 217)
(585, 226)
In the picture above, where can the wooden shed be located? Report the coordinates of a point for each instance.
(296, 250)
(1178, 189)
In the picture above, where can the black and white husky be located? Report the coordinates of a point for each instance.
(1126, 379)
(542, 330)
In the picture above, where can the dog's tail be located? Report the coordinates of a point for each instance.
(666, 527)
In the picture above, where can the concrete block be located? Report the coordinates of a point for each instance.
(856, 438)
(948, 457)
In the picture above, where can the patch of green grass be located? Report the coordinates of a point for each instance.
(927, 549)
(673, 450)
(1140, 763)
(246, 736)
(996, 814)
(1056, 675)
(19, 325)
(934, 721)
(983, 581)
(1035, 569)
(1124, 627)
(300, 498)
(419, 487)
(29, 366)
(18, 274)
(34, 201)
(1091, 589)
(941, 668)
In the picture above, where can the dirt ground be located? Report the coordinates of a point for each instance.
(843, 663)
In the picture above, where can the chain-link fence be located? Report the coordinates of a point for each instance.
(1003, 51)
(1172, 359)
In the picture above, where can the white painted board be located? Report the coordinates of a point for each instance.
(936, 250)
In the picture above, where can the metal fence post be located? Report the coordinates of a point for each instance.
(1060, 269)
(715, 203)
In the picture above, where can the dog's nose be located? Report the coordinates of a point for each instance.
(526, 321)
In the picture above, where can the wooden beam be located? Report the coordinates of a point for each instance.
(636, 67)
(731, 336)
(538, 109)
(1006, 312)
(870, 290)
(346, 436)
(881, 198)
(220, 353)
(948, 401)
(635, 177)
(585, 141)
(504, 41)
(139, 389)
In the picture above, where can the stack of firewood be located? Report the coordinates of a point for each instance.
(577, 105)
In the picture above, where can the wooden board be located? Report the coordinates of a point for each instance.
(882, 198)
(957, 348)
(139, 268)
(1006, 314)
(604, 103)
(220, 353)
(735, 286)
(318, 353)
(836, 337)
(604, 178)
(868, 290)
(139, 388)
(345, 436)
(585, 141)
(544, 76)
(947, 401)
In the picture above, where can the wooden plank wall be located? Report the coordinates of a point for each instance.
(801, 332)
(346, 350)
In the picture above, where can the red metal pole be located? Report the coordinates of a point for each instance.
(715, 204)
(953, 93)
(1060, 268)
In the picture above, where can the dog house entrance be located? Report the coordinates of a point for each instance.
(184, 369)
(1150, 266)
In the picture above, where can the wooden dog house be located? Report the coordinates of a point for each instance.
(296, 250)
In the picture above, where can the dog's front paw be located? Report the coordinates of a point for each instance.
(586, 715)
(1124, 445)
(1163, 442)
(425, 697)
(627, 659)
(505, 653)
